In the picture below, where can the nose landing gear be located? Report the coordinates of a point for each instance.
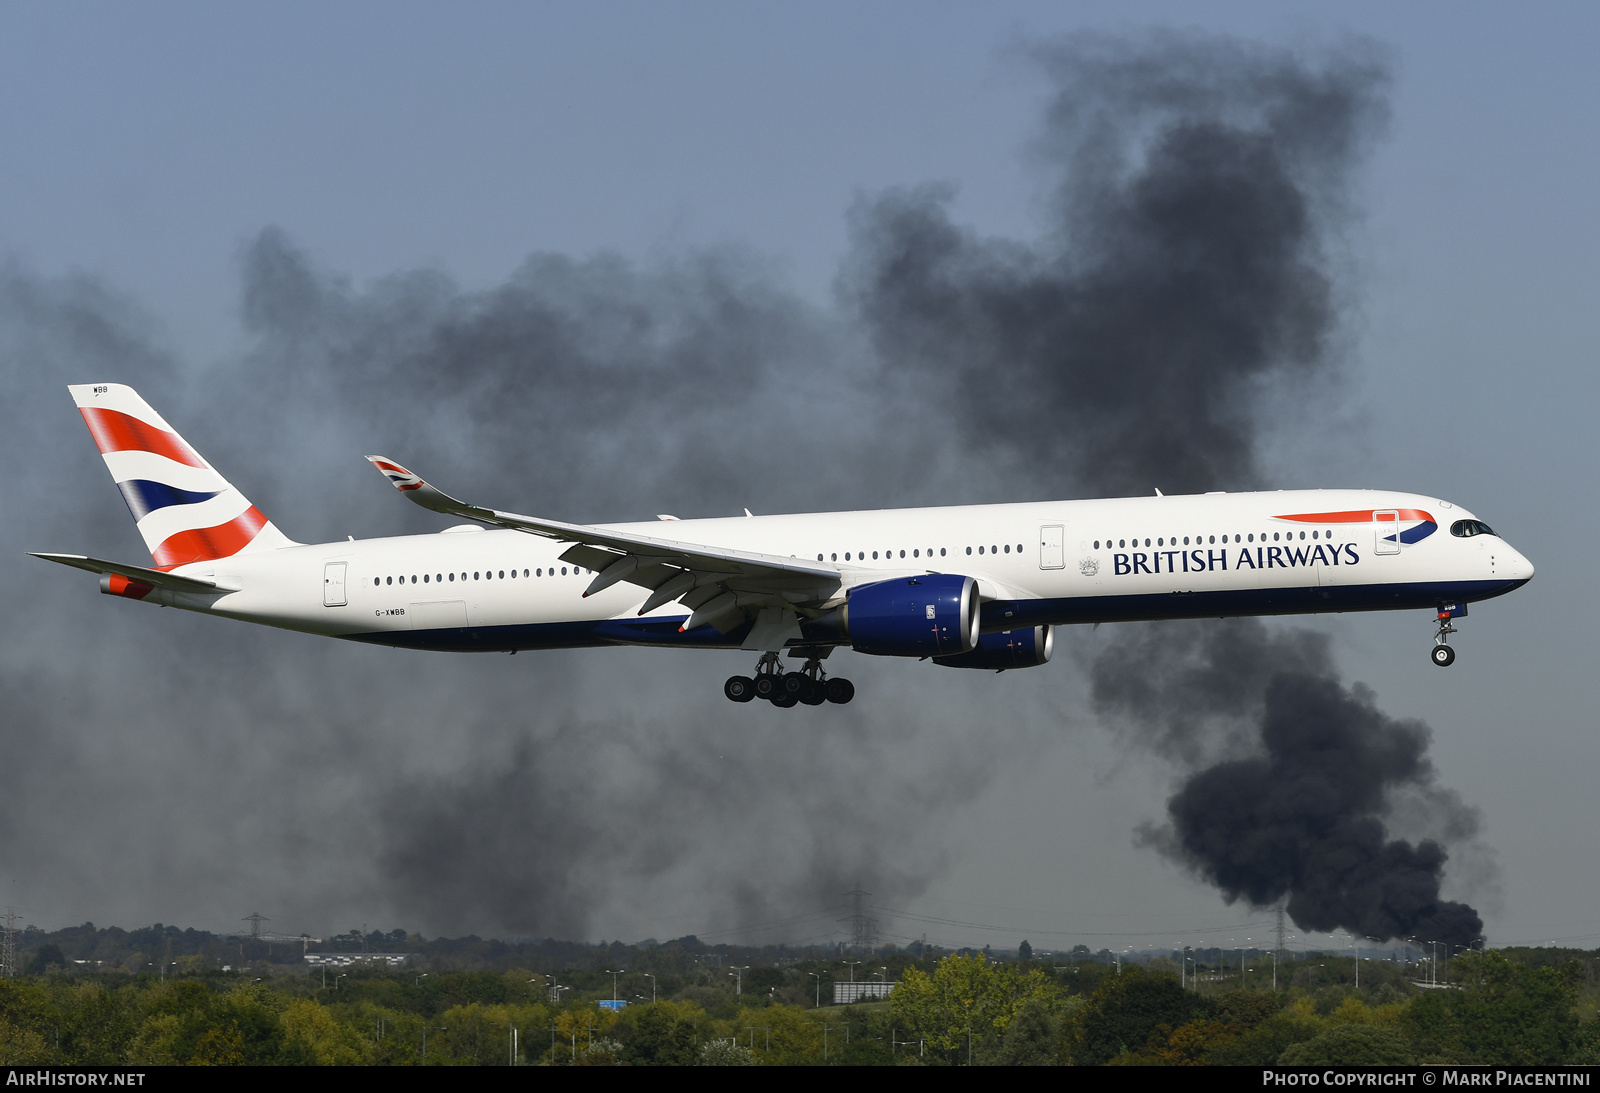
(1442, 654)
(810, 685)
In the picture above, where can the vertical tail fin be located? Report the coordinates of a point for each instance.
(185, 510)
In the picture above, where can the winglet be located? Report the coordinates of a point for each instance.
(403, 479)
(425, 495)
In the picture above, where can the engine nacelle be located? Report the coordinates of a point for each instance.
(929, 616)
(1008, 649)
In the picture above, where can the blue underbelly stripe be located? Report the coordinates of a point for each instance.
(1060, 612)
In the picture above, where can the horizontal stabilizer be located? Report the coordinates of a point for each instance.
(135, 572)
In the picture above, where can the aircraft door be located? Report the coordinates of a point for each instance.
(1052, 551)
(1388, 532)
(333, 585)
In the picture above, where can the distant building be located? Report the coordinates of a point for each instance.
(845, 993)
(345, 960)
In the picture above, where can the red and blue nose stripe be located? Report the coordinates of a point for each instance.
(1423, 526)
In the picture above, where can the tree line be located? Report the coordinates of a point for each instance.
(1520, 1006)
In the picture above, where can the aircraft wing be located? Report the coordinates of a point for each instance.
(714, 583)
(135, 572)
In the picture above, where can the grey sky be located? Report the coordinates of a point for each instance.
(146, 149)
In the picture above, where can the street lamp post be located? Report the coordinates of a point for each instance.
(738, 977)
(818, 978)
(652, 988)
(436, 1028)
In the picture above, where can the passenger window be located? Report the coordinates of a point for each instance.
(874, 555)
(980, 550)
(969, 550)
(1008, 548)
(902, 554)
(502, 574)
(475, 574)
(941, 552)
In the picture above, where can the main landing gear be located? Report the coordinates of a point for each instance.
(1442, 654)
(810, 685)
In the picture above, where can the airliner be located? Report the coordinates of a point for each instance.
(979, 586)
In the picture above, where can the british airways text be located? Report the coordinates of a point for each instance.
(1204, 561)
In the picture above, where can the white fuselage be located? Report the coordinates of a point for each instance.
(1036, 564)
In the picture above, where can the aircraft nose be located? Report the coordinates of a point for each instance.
(1518, 567)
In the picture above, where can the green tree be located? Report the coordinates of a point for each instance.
(1262, 1045)
(1032, 1039)
(1350, 1045)
(48, 956)
(1125, 1010)
(967, 1004)
(1503, 1013)
(662, 1034)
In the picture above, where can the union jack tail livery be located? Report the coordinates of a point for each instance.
(185, 510)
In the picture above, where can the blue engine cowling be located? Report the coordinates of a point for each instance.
(929, 616)
(1008, 649)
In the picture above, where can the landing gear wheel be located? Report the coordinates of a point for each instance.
(840, 690)
(783, 699)
(815, 694)
(766, 685)
(739, 688)
(793, 683)
(1444, 656)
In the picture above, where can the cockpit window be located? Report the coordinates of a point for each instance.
(1466, 529)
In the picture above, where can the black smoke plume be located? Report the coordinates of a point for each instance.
(1297, 808)
(1182, 277)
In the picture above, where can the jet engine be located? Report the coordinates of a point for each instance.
(932, 615)
(1007, 649)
